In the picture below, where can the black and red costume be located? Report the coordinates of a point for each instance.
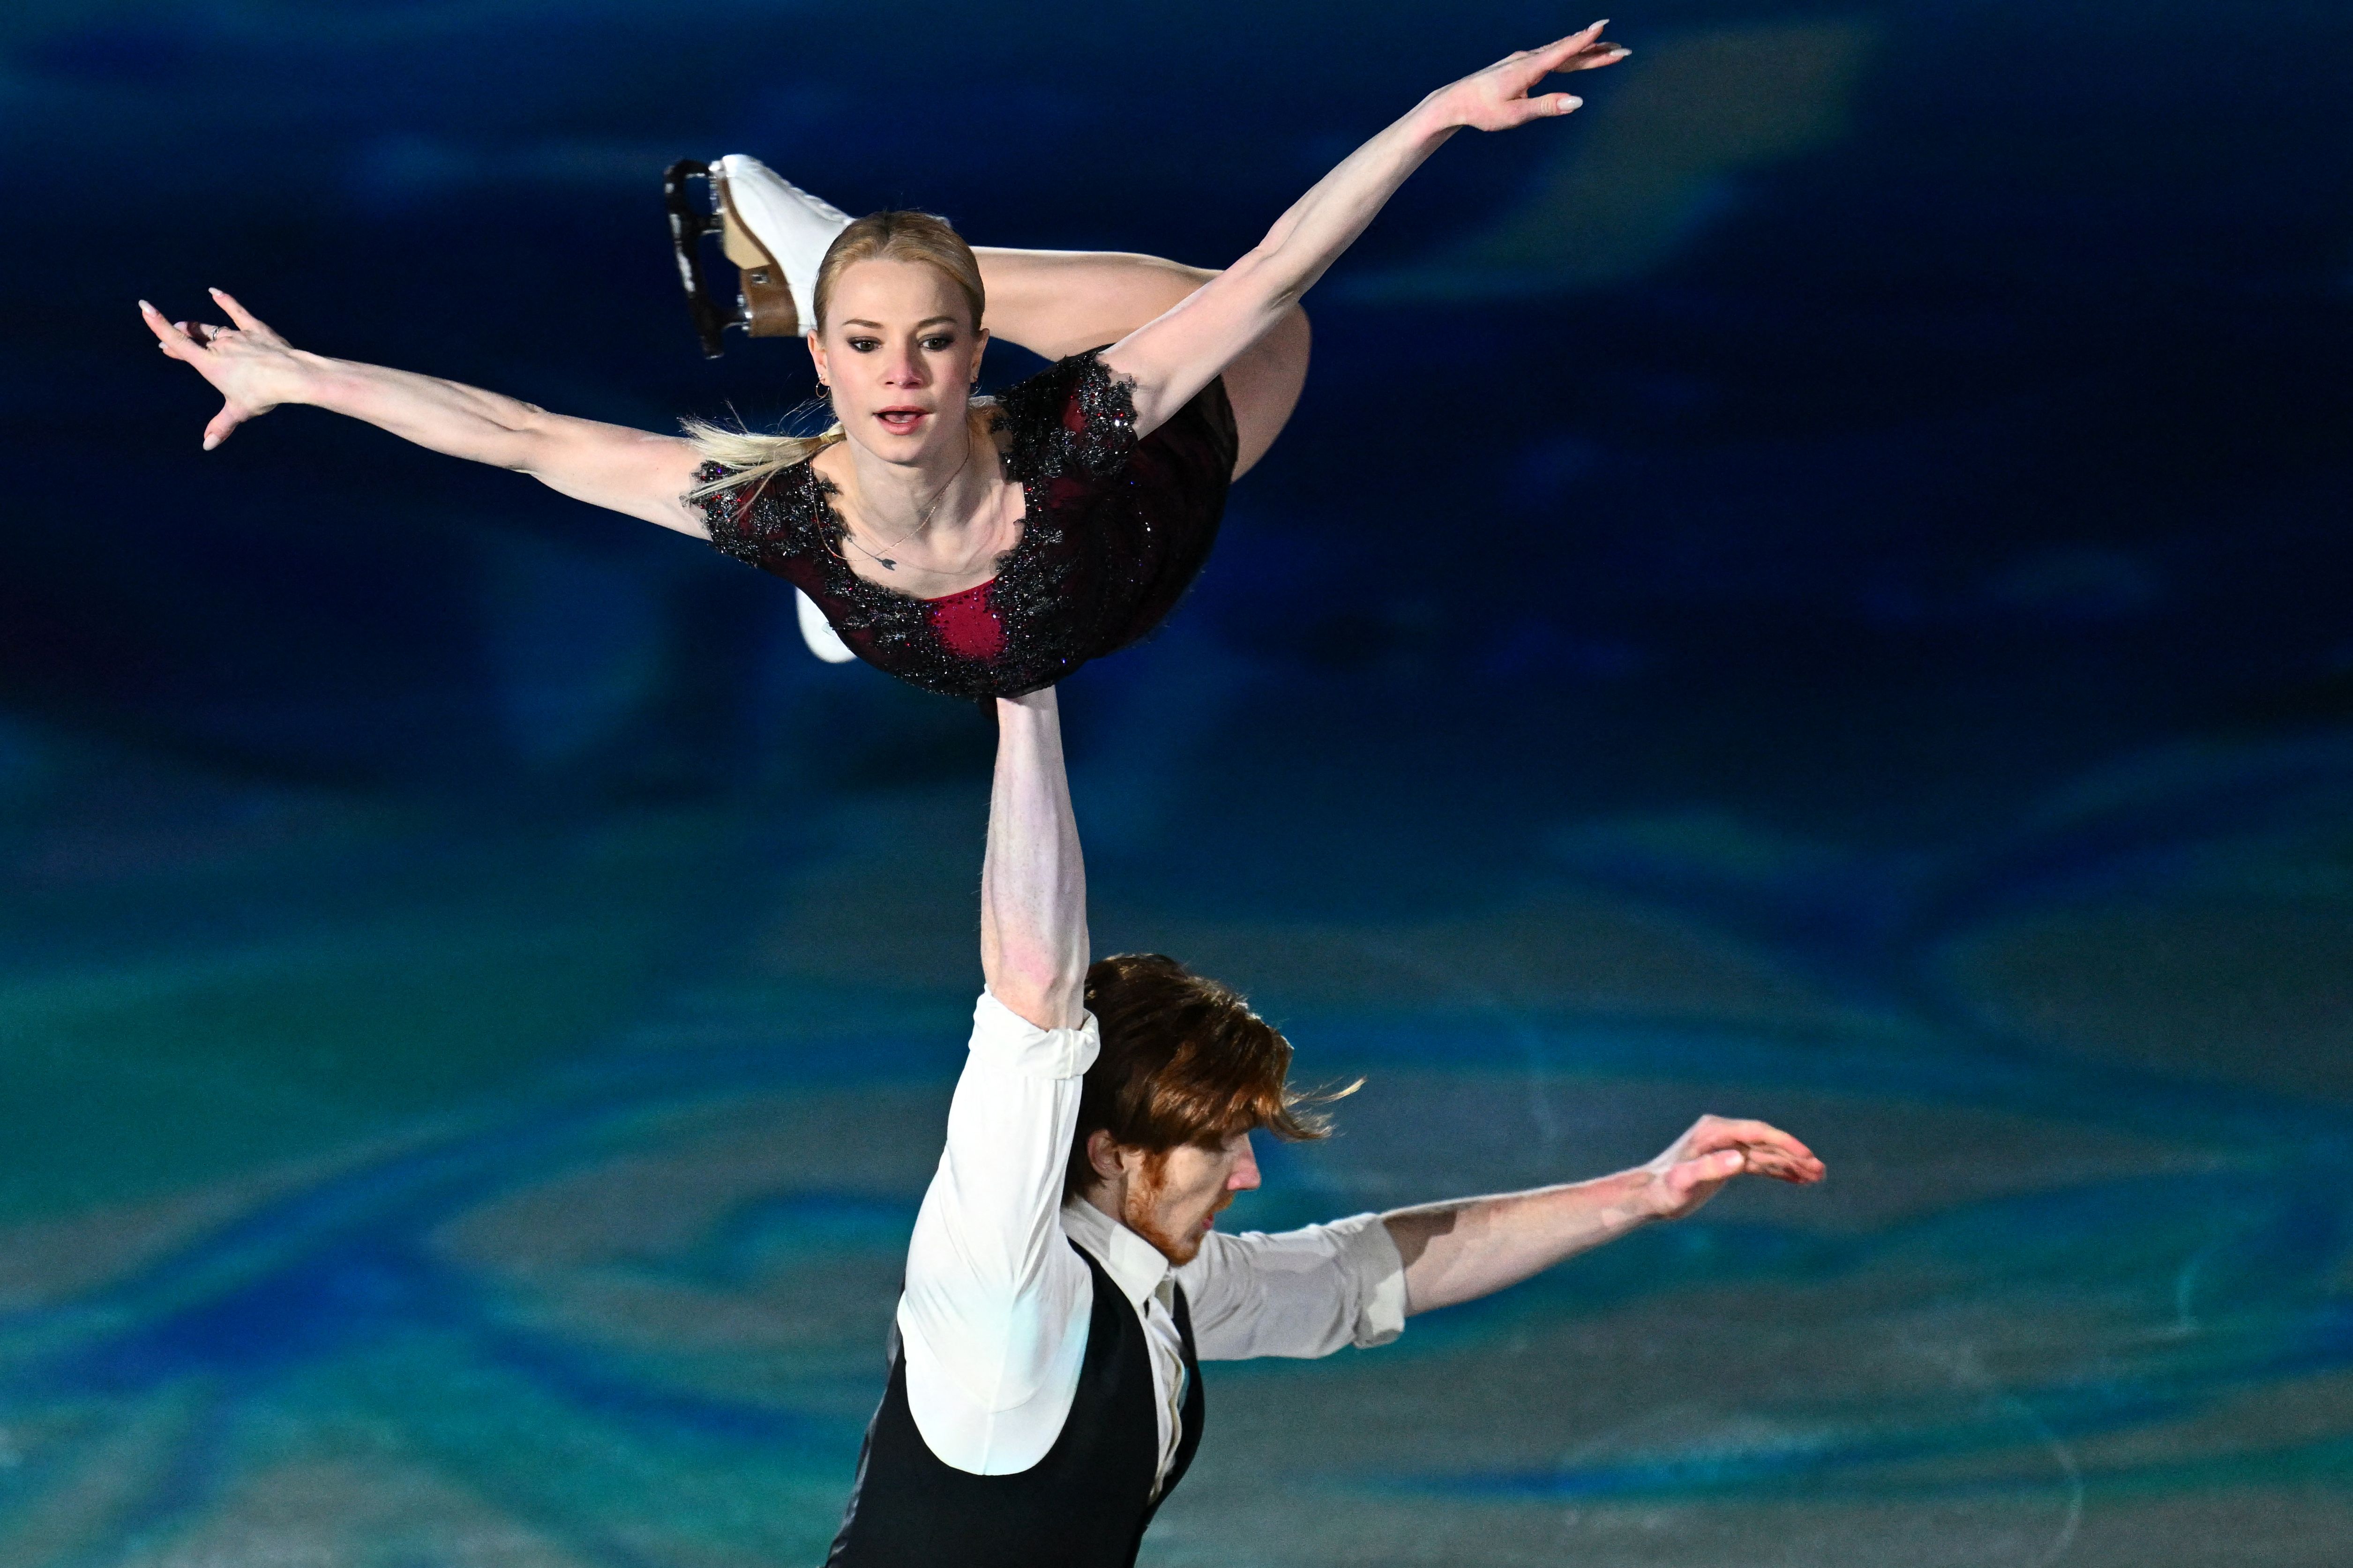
(1114, 530)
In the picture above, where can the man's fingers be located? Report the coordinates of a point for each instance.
(1707, 1170)
(1783, 1167)
(1721, 1131)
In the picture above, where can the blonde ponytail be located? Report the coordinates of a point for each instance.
(748, 457)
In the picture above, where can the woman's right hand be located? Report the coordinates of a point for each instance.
(251, 368)
(1503, 95)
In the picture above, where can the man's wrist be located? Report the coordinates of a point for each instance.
(1637, 1199)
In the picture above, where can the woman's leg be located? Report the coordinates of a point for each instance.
(1058, 302)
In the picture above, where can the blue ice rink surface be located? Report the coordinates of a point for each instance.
(1817, 592)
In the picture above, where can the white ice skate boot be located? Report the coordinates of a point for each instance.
(818, 632)
(773, 232)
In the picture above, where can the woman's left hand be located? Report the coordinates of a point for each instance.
(1499, 98)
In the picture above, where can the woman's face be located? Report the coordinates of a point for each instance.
(901, 354)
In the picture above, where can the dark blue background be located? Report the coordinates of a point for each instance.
(2001, 431)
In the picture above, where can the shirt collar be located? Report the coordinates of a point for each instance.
(1134, 1265)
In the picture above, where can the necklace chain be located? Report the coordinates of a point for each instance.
(922, 520)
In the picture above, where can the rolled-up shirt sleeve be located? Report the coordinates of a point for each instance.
(1297, 1292)
(993, 1322)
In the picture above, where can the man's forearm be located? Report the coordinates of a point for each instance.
(1469, 1248)
(1033, 888)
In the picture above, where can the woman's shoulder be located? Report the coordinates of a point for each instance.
(753, 512)
(1073, 416)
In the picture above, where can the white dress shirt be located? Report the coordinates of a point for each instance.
(993, 1323)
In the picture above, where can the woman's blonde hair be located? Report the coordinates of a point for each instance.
(878, 236)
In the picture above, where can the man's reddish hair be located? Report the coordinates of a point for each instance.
(1183, 1060)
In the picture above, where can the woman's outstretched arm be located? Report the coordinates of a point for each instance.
(255, 370)
(1173, 356)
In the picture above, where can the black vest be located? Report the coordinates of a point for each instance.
(1084, 1505)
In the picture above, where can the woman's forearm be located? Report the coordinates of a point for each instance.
(443, 415)
(1321, 225)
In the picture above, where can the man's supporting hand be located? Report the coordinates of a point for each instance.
(1470, 1247)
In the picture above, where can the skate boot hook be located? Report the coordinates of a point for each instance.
(763, 302)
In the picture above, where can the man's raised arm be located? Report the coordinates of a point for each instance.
(1033, 884)
(993, 1320)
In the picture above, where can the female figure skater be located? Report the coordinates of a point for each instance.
(974, 551)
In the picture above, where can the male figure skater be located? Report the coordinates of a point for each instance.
(1066, 1276)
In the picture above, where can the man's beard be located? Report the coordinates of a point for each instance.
(1136, 1213)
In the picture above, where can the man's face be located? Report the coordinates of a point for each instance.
(1173, 1199)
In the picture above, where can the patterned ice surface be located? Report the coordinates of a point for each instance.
(399, 1193)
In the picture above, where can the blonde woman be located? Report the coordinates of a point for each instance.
(977, 548)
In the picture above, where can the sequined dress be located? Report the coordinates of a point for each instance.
(1114, 529)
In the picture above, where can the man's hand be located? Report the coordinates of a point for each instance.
(1716, 1150)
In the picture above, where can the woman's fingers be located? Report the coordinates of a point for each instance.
(172, 335)
(1595, 56)
(246, 320)
(1553, 56)
(198, 344)
(1578, 52)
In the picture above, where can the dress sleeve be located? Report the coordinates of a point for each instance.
(1297, 1293)
(1072, 419)
(727, 514)
(993, 1323)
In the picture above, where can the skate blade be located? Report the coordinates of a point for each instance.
(688, 223)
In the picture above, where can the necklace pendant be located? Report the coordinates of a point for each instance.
(888, 565)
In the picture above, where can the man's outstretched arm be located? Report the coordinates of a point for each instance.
(1033, 883)
(1469, 1248)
